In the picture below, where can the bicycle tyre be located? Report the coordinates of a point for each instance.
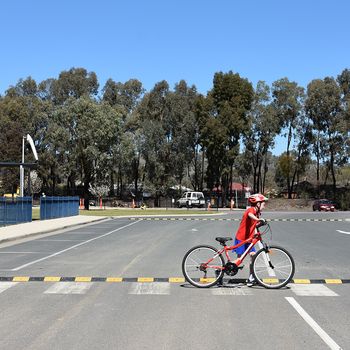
(281, 273)
(191, 266)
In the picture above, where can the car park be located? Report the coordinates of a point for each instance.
(191, 199)
(323, 204)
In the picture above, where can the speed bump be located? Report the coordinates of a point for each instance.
(158, 279)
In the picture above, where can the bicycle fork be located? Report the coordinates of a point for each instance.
(268, 260)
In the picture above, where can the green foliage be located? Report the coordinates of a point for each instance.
(127, 138)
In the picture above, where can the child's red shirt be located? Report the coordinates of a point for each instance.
(247, 225)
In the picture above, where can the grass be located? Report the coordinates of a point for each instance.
(132, 212)
(147, 212)
(35, 214)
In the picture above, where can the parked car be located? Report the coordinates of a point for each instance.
(323, 204)
(191, 199)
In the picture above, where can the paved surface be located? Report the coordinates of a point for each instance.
(139, 311)
(13, 232)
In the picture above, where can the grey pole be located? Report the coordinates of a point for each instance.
(21, 171)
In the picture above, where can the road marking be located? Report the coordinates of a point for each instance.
(6, 285)
(313, 324)
(22, 253)
(232, 291)
(151, 288)
(347, 233)
(72, 247)
(312, 290)
(60, 240)
(69, 288)
(234, 219)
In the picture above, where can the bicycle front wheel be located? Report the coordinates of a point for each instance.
(273, 269)
(203, 266)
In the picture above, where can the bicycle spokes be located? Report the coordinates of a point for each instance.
(273, 268)
(203, 266)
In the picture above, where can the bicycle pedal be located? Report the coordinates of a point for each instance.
(240, 267)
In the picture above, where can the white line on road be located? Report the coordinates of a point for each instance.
(313, 324)
(150, 288)
(312, 290)
(347, 233)
(69, 288)
(6, 285)
(60, 240)
(72, 247)
(23, 252)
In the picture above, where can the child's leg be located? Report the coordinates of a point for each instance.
(251, 277)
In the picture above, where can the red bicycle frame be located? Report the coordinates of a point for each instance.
(252, 240)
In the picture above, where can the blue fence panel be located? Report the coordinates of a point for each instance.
(15, 210)
(58, 207)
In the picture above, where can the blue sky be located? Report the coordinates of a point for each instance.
(152, 40)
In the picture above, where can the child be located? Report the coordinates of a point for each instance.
(247, 228)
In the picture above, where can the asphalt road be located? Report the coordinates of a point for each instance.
(172, 315)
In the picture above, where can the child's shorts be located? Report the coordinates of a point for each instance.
(240, 250)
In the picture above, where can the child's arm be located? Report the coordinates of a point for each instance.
(253, 217)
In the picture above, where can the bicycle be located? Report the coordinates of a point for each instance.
(272, 266)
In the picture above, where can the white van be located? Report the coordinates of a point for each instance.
(192, 199)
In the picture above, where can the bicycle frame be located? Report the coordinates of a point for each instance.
(252, 240)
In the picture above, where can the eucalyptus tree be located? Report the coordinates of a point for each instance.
(260, 133)
(125, 98)
(203, 109)
(85, 130)
(323, 106)
(151, 117)
(181, 131)
(231, 98)
(343, 80)
(288, 100)
(74, 83)
(21, 112)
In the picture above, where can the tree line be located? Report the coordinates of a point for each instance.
(124, 136)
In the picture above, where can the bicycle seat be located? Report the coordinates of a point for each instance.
(223, 240)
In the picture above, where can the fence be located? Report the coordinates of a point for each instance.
(15, 210)
(58, 207)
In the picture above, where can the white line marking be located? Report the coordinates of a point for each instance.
(6, 285)
(72, 247)
(60, 240)
(69, 288)
(347, 233)
(232, 291)
(313, 324)
(23, 252)
(312, 290)
(153, 288)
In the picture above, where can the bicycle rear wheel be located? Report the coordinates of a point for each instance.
(203, 266)
(273, 269)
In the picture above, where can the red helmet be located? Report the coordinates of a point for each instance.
(257, 197)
